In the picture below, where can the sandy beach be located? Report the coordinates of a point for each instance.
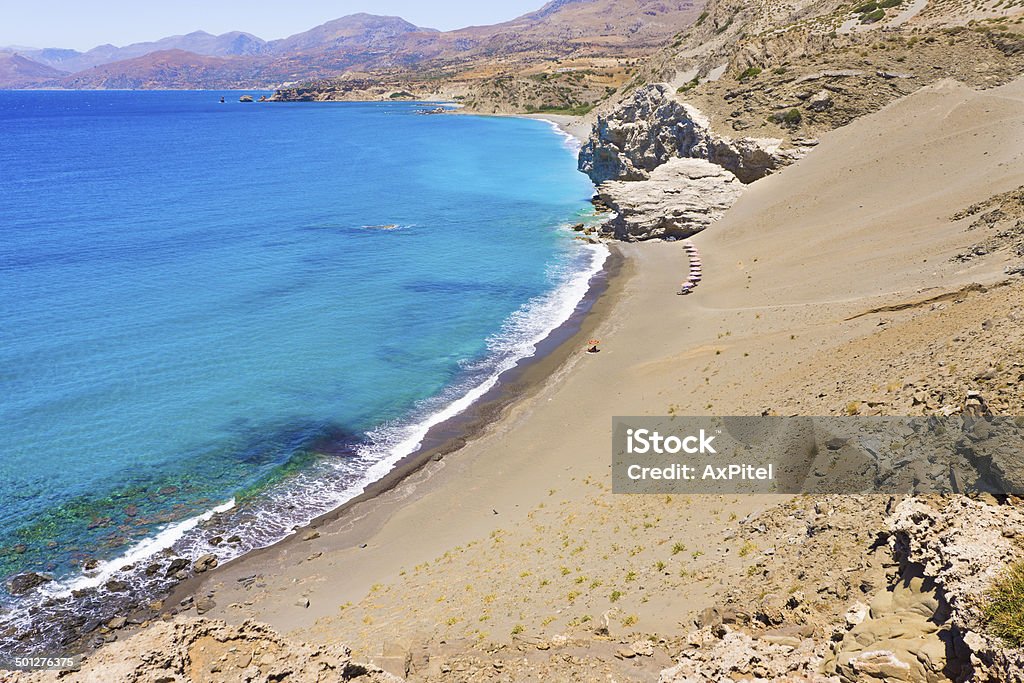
(576, 126)
(504, 527)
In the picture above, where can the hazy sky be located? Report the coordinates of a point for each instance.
(83, 24)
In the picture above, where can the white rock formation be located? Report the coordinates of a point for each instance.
(680, 197)
(653, 127)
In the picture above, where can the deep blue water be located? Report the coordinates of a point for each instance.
(193, 309)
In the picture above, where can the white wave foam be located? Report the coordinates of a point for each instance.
(568, 139)
(517, 340)
(389, 444)
(165, 538)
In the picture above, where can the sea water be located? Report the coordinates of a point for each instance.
(218, 321)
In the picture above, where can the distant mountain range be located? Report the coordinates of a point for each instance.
(18, 71)
(355, 43)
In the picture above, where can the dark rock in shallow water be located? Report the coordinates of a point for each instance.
(177, 564)
(116, 586)
(99, 522)
(23, 583)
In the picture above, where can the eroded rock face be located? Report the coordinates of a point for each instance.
(902, 637)
(680, 197)
(653, 127)
(723, 654)
(964, 544)
(213, 652)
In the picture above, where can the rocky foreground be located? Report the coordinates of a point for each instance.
(898, 600)
(210, 651)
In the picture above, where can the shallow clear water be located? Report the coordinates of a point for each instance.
(195, 309)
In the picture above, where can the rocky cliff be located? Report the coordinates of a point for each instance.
(662, 169)
(653, 127)
(963, 546)
(679, 198)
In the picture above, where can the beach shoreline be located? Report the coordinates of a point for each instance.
(575, 127)
(440, 438)
(514, 386)
(728, 348)
(510, 552)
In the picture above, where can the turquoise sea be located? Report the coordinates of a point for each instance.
(251, 310)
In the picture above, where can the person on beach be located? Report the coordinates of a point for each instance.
(593, 346)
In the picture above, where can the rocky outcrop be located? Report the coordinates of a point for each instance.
(653, 127)
(213, 652)
(904, 635)
(23, 583)
(679, 198)
(963, 545)
(722, 654)
(690, 175)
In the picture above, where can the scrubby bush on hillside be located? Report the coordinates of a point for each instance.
(749, 72)
(872, 17)
(1004, 611)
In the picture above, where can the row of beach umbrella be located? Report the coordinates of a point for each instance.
(696, 268)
